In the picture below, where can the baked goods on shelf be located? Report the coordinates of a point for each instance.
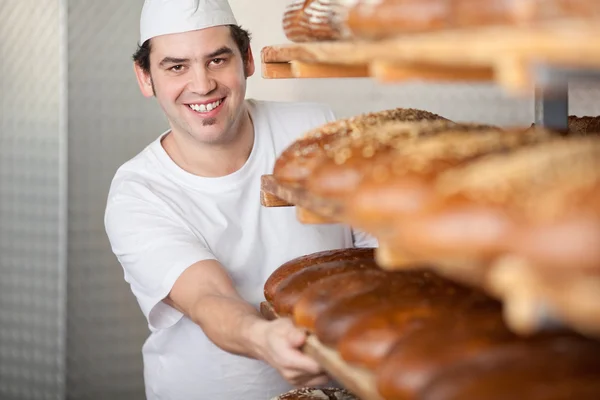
(322, 294)
(559, 368)
(400, 183)
(401, 288)
(316, 394)
(423, 365)
(314, 20)
(388, 18)
(370, 339)
(291, 288)
(296, 163)
(348, 160)
(540, 202)
(292, 266)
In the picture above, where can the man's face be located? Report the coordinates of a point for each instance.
(199, 80)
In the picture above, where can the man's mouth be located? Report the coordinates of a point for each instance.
(206, 107)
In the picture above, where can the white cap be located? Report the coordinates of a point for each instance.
(162, 17)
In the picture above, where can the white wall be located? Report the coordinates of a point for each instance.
(460, 102)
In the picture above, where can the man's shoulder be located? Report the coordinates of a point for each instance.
(135, 177)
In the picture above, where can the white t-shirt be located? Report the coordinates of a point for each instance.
(160, 220)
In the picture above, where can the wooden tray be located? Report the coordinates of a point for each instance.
(359, 381)
(310, 209)
(505, 55)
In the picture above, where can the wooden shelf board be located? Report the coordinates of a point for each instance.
(311, 210)
(502, 54)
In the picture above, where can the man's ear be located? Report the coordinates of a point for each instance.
(144, 80)
(250, 67)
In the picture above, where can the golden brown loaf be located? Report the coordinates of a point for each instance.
(320, 295)
(370, 339)
(423, 355)
(321, 257)
(561, 368)
(291, 288)
(297, 162)
(402, 287)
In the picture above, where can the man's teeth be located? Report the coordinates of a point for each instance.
(205, 107)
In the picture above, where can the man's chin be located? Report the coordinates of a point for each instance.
(209, 122)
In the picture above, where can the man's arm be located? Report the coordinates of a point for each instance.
(205, 293)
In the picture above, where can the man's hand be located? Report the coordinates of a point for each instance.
(278, 343)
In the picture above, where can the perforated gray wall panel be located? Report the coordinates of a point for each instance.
(109, 122)
(32, 241)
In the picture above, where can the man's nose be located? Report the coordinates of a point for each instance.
(202, 82)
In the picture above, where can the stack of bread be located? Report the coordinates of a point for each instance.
(515, 211)
(423, 336)
(318, 20)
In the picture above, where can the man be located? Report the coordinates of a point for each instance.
(184, 217)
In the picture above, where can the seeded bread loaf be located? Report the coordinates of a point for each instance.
(316, 394)
(399, 184)
(291, 288)
(297, 162)
(547, 196)
(349, 161)
(321, 257)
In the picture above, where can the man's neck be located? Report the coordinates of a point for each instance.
(212, 160)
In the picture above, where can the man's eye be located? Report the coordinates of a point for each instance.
(217, 61)
(176, 68)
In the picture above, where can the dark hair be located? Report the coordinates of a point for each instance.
(240, 36)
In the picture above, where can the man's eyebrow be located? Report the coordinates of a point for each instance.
(222, 51)
(173, 60)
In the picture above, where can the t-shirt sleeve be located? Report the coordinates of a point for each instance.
(154, 249)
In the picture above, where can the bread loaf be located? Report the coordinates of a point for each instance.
(316, 394)
(370, 339)
(559, 369)
(551, 193)
(297, 162)
(290, 289)
(584, 125)
(321, 257)
(422, 355)
(403, 287)
(293, 21)
(386, 18)
(322, 294)
(314, 20)
(389, 18)
(350, 159)
(399, 184)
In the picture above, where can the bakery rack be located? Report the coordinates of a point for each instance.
(518, 59)
(538, 60)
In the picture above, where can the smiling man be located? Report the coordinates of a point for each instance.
(184, 218)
